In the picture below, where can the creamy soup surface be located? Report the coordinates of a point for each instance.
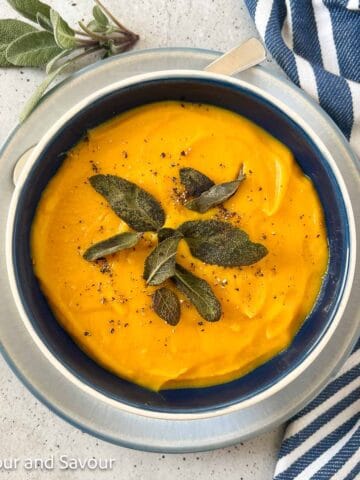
(106, 306)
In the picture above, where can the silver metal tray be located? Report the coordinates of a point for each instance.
(110, 421)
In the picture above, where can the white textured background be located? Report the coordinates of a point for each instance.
(29, 429)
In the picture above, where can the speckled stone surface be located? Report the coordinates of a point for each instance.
(29, 429)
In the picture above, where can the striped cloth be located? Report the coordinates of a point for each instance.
(317, 44)
(323, 440)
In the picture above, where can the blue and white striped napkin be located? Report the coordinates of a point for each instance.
(317, 44)
(323, 440)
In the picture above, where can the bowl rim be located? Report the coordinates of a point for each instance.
(232, 82)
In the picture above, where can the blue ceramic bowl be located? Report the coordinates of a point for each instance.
(194, 87)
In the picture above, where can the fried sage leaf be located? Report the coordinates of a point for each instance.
(140, 210)
(164, 233)
(195, 182)
(166, 304)
(220, 243)
(111, 245)
(215, 195)
(199, 293)
(160, 264)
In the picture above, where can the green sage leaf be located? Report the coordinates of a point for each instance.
(100, 16)
(199, 292)
(195, 182)
(111, 245)
(44, 22)
(10, 30)
(39, 92)
(29, 8)
(95, 27)
(64, 35)
(33, 49)
(164, 233)
(220, 243)
(166, 304)
(160, 264)
(140, 210)
(51, 66)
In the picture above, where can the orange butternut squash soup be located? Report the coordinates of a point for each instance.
(224, 253)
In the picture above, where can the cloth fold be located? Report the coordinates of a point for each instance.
(317, 44)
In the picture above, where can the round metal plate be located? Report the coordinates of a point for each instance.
(110, 421)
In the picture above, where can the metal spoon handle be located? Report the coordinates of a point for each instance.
(240, 58)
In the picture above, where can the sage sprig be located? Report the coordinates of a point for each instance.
(52, 43)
